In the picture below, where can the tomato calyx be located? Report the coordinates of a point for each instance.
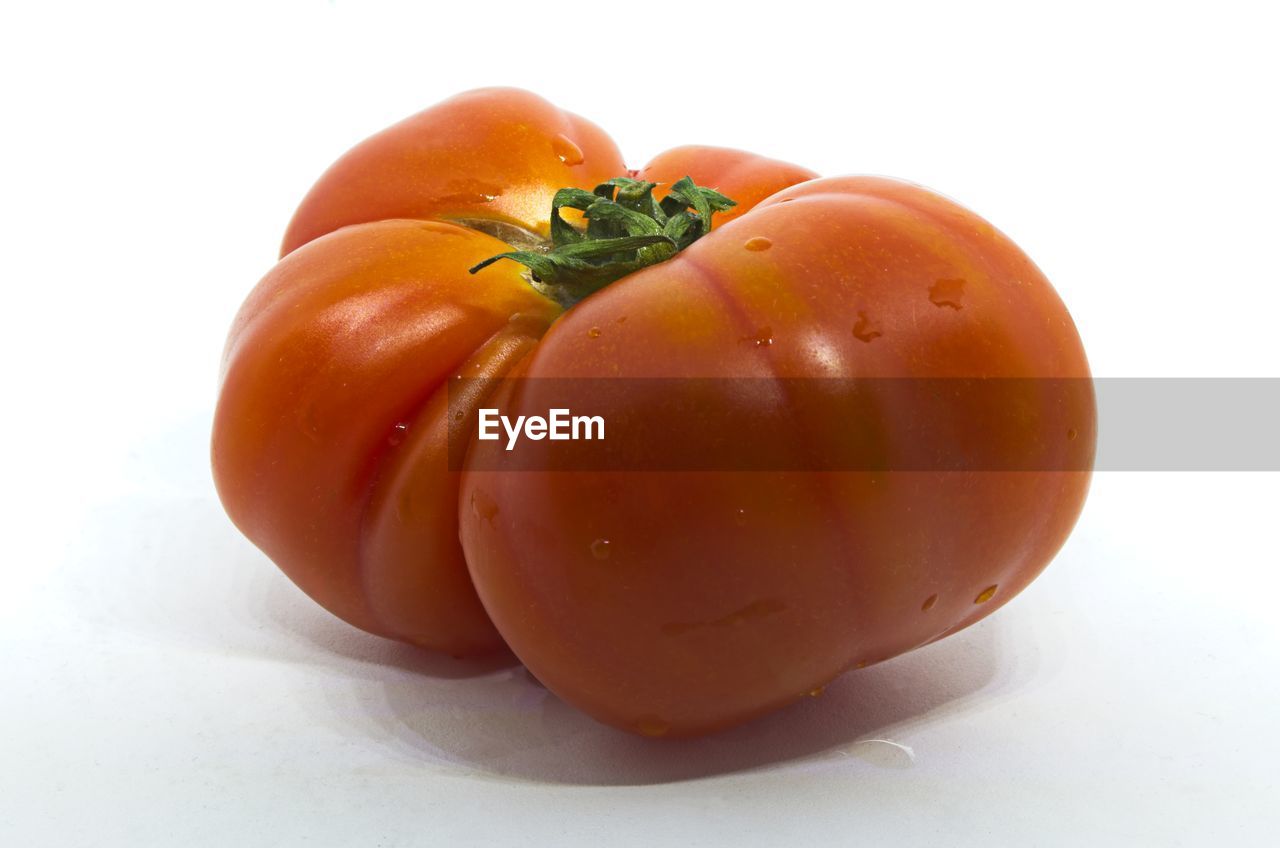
(627, 229)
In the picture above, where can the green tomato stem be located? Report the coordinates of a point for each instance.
(627, 229)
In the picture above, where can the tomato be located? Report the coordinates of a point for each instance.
(665, 600)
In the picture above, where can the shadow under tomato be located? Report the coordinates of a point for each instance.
(191, 580)
(489, 718)
(512, 728)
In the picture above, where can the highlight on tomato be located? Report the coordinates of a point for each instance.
(804, 467)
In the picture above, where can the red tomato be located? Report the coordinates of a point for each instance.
(670, 601)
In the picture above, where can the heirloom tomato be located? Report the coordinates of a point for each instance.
(666, 600)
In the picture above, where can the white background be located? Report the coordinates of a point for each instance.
(163, 684)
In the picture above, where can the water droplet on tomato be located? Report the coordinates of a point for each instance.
(459, 415)
(928, 603)
(758, 243)
(866, 330)
(947, 293)
(593, 333)
(1072, 434)
(762, 338)
(740, 517)
(397, 434)
(653, 726)
(568, 152)
(467, 191)
(483, 506)
(600, 549)
(987, 594)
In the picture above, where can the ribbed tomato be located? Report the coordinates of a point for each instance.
(672, 599)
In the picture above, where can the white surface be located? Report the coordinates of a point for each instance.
(163, 684)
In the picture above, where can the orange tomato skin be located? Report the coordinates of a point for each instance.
(330, 436)
(493, 154)
(724, 595)
(744, 177)
(329, 448)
